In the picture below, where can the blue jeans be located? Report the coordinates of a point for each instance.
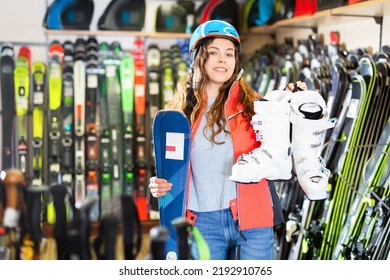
(223, 236)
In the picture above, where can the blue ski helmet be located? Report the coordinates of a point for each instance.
(214, 28)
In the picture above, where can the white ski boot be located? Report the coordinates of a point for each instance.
(309, 122)
(272, 160)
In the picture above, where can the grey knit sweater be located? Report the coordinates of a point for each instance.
(211, 165)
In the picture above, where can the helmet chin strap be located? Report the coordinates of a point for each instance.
(192, 59)
(240, 74)
(190, 94)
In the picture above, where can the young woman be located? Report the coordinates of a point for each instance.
(235, 219)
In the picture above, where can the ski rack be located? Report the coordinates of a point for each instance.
(377, 19)
(349, 184)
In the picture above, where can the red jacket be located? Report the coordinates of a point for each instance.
(253, 206)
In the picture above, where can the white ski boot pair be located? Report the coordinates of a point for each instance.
(277, 155)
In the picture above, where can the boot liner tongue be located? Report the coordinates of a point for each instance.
(311, 111)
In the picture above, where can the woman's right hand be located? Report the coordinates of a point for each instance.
(159, 187)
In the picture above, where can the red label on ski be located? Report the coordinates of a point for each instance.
(79, 111)
(142, 205)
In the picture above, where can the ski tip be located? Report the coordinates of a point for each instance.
(171, 255)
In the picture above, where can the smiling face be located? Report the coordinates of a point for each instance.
(221, 61)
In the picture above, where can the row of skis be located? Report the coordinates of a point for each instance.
(353, 221)
(76, 141)
(22, 236)
(79, 146)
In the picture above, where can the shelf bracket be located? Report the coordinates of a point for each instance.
(378, 20)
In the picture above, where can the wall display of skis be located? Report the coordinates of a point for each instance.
(351, 222)
(80, 133)
(84, 100)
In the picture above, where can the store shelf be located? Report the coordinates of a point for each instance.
(114, 33)
(373, 8)
(366, 8)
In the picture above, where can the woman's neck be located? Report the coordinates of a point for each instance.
(212, 89)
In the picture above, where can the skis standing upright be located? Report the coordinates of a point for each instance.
(104, 138)
(38, 111)
(56, 56)
(92, 86)
(7, 65)
(126, 69)
(7, 106)
(115, 126)
(22, 91)
(167, 79)
(140, 127)
(67, 138)
(131, 225)
(79, 122)
(111, 179)
(153, 60)
(344, 180)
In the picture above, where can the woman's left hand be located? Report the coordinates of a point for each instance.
(298, 86)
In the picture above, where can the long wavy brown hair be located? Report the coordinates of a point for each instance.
(189, 97)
